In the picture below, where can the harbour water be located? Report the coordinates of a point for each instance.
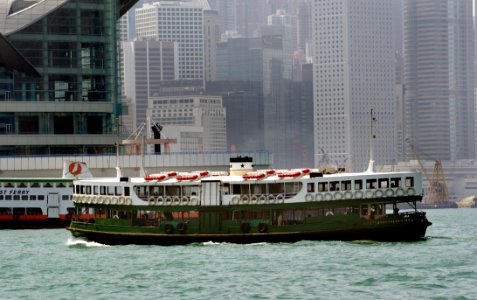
(49, 264)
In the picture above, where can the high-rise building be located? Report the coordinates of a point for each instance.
(353, 74)
(147, 64)
(227, 10)
(71, 107)
(181, 22)
(439, 79)
(211, 39)
(197, 121)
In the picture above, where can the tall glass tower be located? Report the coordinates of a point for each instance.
(72, 106)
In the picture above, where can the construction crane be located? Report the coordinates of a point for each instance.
(438, 195)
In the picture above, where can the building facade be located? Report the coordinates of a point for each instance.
(147, 63)
(439, 79)
(72, 106)
(353, 73)
(181, 22)
(198, 122)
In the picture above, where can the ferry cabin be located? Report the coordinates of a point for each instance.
(35, 203)
(228, 204)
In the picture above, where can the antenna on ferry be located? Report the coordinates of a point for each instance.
(371, 144)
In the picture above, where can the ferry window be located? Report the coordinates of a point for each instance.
(16, 197)
(358, 185)
(409, 181)
(60, 184)
(35, 185)
(383, 183)
(154, 190)
(244, 189)
(1, 197)
(323, 186)
(173, 190)
(346, 185)
(41, 197)
(34, 211)
(65, 197)
(8, 197)
(126, 191)
(22, 185)
(95, 190)
(32, 197)
(8, 185)
(110, 190)
(88, 190)
(24, 197)
(371, 184)
(102, 190)
(292, 188)
(276, 188)
(334, 186)
(310, 187)
(47, 185)
(235, 189)
(70, 185)
(395, 182)
(118, 191)
(259, 189)
(18, 210)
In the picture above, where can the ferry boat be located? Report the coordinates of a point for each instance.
(28, 203)
(245, 205)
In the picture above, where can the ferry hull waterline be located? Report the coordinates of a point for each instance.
(249, 206)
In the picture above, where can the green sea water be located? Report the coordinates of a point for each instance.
(49, 264)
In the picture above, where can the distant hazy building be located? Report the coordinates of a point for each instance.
(177, 21)
(240, 59)
(304, 27)
(197, 121)
(227, 10)
(353, 73)
(439, 78)
(211, 39)
(251, 15)
(147, 64)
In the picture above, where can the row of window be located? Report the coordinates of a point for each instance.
(102, 190)
(30, 197)
(360, 184)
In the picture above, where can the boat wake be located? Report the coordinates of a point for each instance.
(80, 243)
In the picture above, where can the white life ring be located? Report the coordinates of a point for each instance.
(100, 200)
(184, 200)
(379, 194)
(160, 200)
(168, 200)
(400, 192)
(369, 194)
(338, 196)
(88, 200)
(94, 200)
(120, 198)
(348, 195)
(280, 199)
(194, 200)
(328, 197)
(120, 201)
(262, 199)
(176, 201)
(107, 201)
(244, 199)
(128, 201)
(114, 201)
(411, 191)
(318, 197)
(358, 195)
(152, 201)
(389, 193)
(271, 199)
(253, 199)
(308, 197)
(235, 200)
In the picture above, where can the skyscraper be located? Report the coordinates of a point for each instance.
(439, 78)
(177, 21)
(353, 73)
(72, 106)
